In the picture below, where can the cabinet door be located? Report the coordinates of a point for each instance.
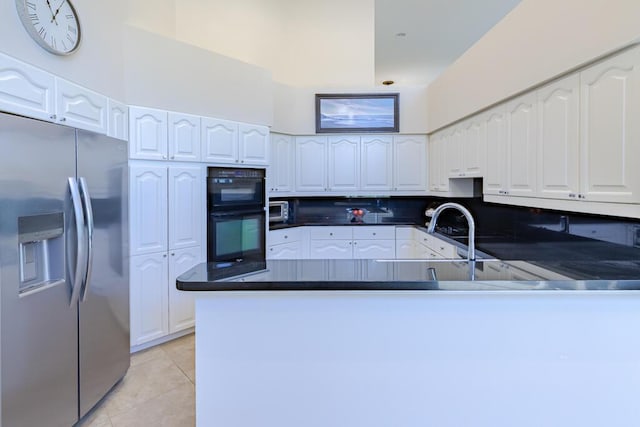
(311, 163)
(331, 249)
(473, 147)
(186, 206)
(81, 108)
(148, 209)
(435, 163)
(254, 144)
(522, 133)
(376, 163)
(181, 303)
(558, 140)
(496, 156)
(453, 152)
(26, 90)
(219, 141)
(184, 137)
(374, 249)
(443, 171)
(610, 137)
(410, 163)
(281, 170)
(405, 249)
(118, 120)
(291, 250)
(149, 297)
(147, 134)
(344, 163)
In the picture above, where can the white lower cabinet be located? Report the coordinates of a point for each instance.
(285, 243)
(148, 297)
(157, 307)
(181, 303)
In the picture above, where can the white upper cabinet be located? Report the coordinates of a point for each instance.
(311, 163)
(558, 141)
(118, 120)
(148, 209)
(473, 147)
(522, 134)
(254, 144)
(376, 163)
(219, 141)
(344, 163)
(453, 152)
(438, 171)
(26, 90)
(184, 137)
(81, 108)
(147, 133)
(186, 208)
(610, 129)
(281, 171)
(410, 163)
(496, 152)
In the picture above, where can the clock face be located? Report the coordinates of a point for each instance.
(53, 24)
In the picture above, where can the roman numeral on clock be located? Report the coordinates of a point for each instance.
(31, 5)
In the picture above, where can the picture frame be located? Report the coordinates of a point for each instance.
(369, 112)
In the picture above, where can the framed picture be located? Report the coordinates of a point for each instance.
(339, 113)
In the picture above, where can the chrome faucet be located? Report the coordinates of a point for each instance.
(471, 252)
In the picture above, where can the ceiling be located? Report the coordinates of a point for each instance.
(436, 32)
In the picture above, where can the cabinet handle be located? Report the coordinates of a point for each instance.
(164, 255)
(237, 161)
(63, 119)
(241, 161)
(271, 249)
(581, 196)
(374, 234)
(330, 234)
(571, 195)
(53, 117)
(173, 157)
(286, 237)
(173, 254)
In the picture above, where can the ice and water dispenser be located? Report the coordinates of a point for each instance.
(41, 251)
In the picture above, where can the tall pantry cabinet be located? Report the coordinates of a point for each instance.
(166, 219)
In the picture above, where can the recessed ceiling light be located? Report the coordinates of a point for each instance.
(388, 82)
(401, 34)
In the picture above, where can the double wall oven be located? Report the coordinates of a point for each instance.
(236, 215)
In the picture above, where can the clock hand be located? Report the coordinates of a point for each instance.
(57, 11)
(53, 16)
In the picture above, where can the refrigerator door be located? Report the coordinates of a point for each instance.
(38, 244)
(104, 300)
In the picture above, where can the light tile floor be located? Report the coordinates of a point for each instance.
(158, 390)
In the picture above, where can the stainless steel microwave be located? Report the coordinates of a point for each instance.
(278, 211)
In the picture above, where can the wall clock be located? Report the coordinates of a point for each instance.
(53, 24)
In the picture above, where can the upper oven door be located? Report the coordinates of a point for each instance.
(230, 193)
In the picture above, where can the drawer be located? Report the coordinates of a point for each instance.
(405, 233)
(276, 237)
(374, 233)
(323, 233)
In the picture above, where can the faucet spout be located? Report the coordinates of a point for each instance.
(471, 252)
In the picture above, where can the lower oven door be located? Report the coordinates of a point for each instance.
(236, 236)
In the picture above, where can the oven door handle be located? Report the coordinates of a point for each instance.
(238, 213)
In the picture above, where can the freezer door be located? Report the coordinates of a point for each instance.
(38, 325)
(104, 300)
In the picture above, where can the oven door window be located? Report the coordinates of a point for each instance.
(233, 238)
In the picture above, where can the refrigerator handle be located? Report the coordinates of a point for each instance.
(81, 251)
(86, 202)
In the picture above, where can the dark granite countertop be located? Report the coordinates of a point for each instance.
(396, 275)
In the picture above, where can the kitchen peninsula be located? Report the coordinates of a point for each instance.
(414, 343)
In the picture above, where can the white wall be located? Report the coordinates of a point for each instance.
(303, 43)
(164, 73)
(537, 41)
(97, 64)
(294, 107)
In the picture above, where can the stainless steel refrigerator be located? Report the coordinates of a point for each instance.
(64, 280)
